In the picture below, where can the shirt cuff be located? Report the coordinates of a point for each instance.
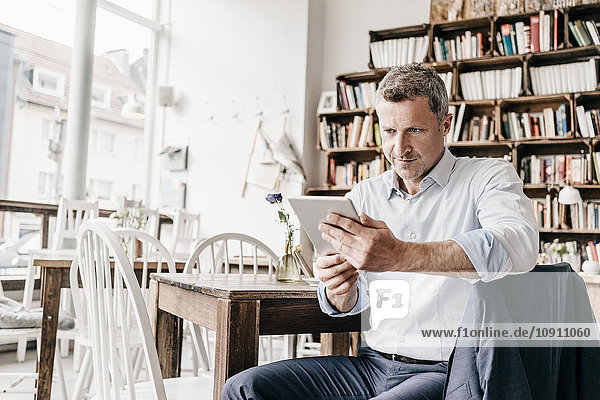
(488, 256)
(328, 309)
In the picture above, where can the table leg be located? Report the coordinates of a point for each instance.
(51, 284)
(335, 343)
(237, 343)
(168, 335)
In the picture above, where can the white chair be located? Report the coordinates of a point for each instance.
(70, 215)
(186, 233)
(152, 251)
(215, 255)
(16, 378)
(111, 299)
(150, 218)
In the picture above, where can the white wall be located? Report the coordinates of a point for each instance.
(234, 50)
(224, 50)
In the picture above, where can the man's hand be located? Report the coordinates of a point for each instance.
(370, 245)
(339, 278)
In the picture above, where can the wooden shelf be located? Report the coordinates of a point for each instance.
(358, 111)
(570, 231)
(331, 152)
(327, 191)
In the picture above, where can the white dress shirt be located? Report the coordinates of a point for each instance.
(476, 202)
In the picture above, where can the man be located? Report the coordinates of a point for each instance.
(430, 225)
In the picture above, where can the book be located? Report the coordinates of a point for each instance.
(356, 131)
(505, 30)
(459, 121)
(323, 140)
(593, 31)
(581, 122)
(575, 34)
(583, 33)
(366, 134)
(534, 22)
(377, 134)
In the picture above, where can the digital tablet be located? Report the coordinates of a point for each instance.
(312, 210)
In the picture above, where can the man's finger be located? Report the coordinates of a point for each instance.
(370, 222)
(345, 223)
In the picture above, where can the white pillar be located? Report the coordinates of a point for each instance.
(80, 95)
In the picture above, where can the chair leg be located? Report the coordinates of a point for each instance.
(199, 345)
(77, 356)
(86, 365)
(61, 376)
(21, 349)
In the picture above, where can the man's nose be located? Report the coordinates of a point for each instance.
(402, 145)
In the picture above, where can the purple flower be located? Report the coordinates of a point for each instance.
(272, 197)
(278, 196)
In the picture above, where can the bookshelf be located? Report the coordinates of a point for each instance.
(558, 129)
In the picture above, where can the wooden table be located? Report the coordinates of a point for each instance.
(54, 274)
(238, 308)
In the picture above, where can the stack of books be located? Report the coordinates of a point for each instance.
(447, 78)
(464, 46)
(564, 78)
(359, 96)
(359, 133)
(395, 52)
(527, 125)
(489, 85)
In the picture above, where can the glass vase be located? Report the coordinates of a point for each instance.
(288, 269)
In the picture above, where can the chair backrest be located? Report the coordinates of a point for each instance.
(151, 251)
(186, 231)
(213, 254)
(70, 215)
(110, 298)
(126, 203)
(151, 222)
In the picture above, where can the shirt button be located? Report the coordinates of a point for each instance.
(413, 235)
(413, 201)
(401, 340)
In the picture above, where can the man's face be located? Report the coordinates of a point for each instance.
(412, 139)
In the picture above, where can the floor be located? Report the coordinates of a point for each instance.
(8, 364)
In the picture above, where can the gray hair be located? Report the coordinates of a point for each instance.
(411, 81)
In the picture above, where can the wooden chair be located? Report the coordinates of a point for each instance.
(214, 256)
(186, 233)
(151, 251)
(111, 300)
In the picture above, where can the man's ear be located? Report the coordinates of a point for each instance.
(446, 124)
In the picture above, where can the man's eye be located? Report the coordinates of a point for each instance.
(414, 130)
(389, 131)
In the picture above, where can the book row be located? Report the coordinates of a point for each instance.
(549, 213)
(542, 34)
(477, 128)
(467, 45)
(395, 52)
(585, 32)
(527, 125)
(493, 84)
(360, 132)
(556, 169)
(564, 78)
(347, 174)
(361, 95)
(588, 121)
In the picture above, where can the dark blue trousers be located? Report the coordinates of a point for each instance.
(368, 376)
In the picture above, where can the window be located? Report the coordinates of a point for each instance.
(45, 187)
(48, 82)
(47, 130)
(102, 142)
(100, 189)
(45, 180)
(101, 96)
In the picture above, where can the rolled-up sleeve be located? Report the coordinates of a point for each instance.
(362, 302)
(508, 239)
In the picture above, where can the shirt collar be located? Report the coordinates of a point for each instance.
(440, 173)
